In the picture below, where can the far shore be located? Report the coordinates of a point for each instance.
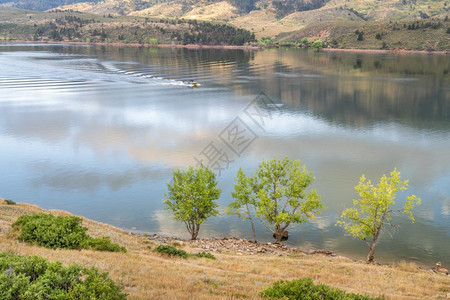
(386, 51)
(190, 46)
(235, 47)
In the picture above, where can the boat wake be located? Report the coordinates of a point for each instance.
(111, 68)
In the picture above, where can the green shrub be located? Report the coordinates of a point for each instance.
(304, 288)
(171, 251)
(50, 231)
(36, 278)
(103, 244)
(204, 254)
(9, 202)
(60, 232)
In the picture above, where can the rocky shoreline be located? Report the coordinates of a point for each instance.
(238, 246)
(234, 245)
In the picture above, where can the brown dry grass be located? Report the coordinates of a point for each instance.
(147, 275)
(222, 10)
(164, 10)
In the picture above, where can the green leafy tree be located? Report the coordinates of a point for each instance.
(317, 44)
(277, 192)
(373, 211)
(304, 41)
(243, 203)
(192, 196)
(267, 40)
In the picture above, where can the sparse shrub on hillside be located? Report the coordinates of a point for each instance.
(334, 43)
(360, 36)
(103, 244)
(60, 232)
(285, 7)
(244, 6)
(305, 288)
(36, 278)
(204, 254)
(9, 202)
(171, 251)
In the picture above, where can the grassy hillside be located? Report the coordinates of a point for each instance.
(334, 20)
(384, 23)
(148, 275)
(57, 25)
(430, 35)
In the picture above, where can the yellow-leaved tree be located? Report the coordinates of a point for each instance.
(374, 210)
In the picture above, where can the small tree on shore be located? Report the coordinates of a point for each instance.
(317, 44)
(277, 192)
(373, 211)
(244, 202)
(192, 196)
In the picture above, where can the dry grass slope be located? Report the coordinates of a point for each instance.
(147, 275)
(394, 35)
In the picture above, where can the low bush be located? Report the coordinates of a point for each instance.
(171, 251)
(204, 254)
(60, 232)
(9, 202)
(305, 288)
(36, 278)
(103, 244)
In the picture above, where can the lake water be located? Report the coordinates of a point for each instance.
(97, 131)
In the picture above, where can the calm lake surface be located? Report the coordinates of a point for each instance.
(97, 131)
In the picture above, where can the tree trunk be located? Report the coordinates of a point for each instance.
(279, 234)
(371, 255)
(192, 229)
(196, 229)
(254, 231)
(251, 221)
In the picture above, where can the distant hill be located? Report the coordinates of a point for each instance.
(365, 24)
(272, 17)
(40, 5)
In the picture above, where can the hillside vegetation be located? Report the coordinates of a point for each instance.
(57, 25)
(384, 24)
(271, 17)
(146, 274)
